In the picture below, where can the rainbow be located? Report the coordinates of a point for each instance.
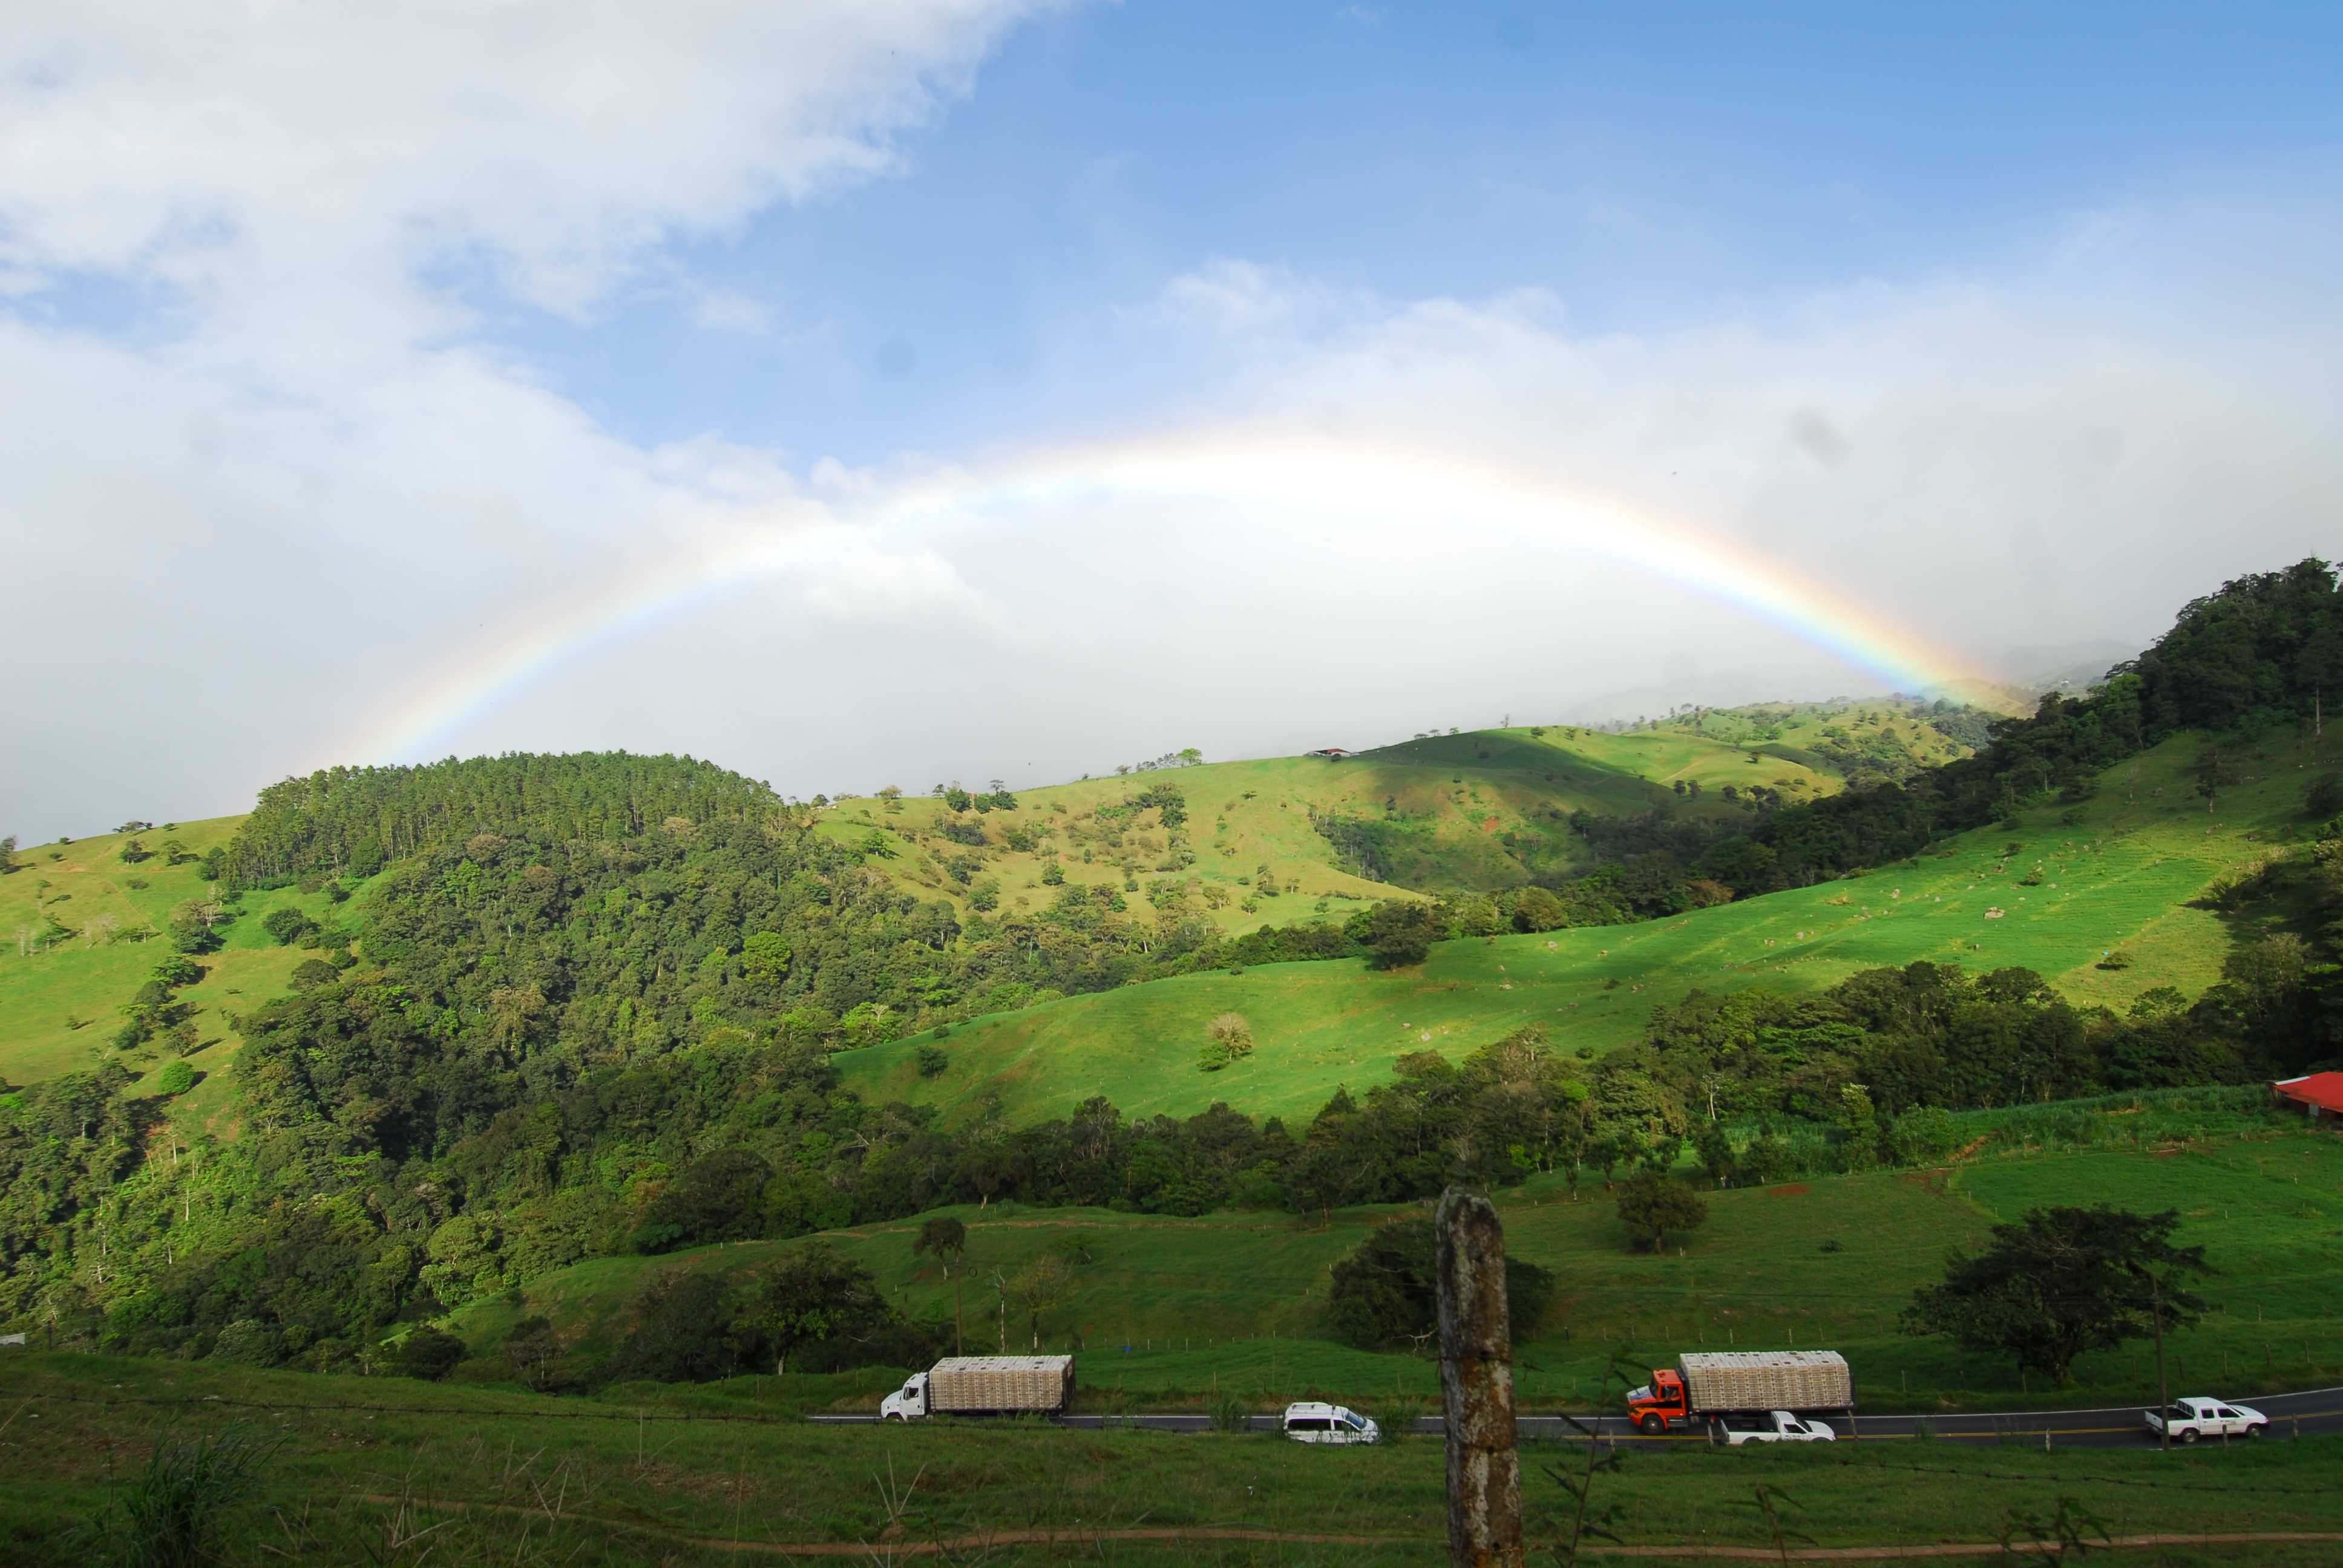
(1297, 480)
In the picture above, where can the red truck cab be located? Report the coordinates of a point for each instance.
(1659, 1402)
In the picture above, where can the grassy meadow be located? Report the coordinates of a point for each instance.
(1466, 793)
(85, 929)
(388, 1472)
(1168, 1311)
(2116, 878)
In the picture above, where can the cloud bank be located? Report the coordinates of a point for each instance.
(287, 488)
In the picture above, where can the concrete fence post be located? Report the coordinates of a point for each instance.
(1476, 1386)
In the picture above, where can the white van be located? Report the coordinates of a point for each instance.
(1311, 1422)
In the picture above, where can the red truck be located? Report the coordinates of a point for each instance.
(1710, 1386)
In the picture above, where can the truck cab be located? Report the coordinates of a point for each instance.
(908, 1403)
(1659, 1402)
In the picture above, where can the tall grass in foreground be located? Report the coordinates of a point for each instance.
(195, 1495)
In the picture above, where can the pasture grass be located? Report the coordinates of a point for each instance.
(384, 1471)
(61, 991)
(2119, 879)
(1462, 792)
(1169, 1311)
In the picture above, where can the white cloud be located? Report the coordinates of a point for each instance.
(230, 148)
(872, 584)
(305, 486)
(2000, 461)
(297, 477)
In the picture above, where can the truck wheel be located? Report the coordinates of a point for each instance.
(2258, 1429)
(1653, 1425)
(2189, 1436)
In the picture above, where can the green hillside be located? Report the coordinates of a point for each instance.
(90, 927)
(1483, 810)
(508, 1019)
(1455, 812)
(1240, 1298)
(2118, 873)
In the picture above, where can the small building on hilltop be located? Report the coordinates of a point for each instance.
(2319, 1096)
(1334, 753)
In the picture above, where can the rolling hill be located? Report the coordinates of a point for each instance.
(1481, 811)
(90, 926)
(2118, 870)
(1458, 811)
(568, 1013)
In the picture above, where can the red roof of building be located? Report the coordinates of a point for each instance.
(2324, 1090)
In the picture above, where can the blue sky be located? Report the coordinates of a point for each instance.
(737, 380)
(1646, 164)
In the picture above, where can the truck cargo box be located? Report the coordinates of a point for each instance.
(1767, 1380)
(971, 1383)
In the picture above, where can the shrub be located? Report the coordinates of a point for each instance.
(680, 1335)
(531, 1350)
(1228, 1413)
(193, 929)
(2323, 797)
(287, 925)
(247, 1341)
(1922, 1134)
(931, 1059)
(1385, 1294)
(176, 970)
(1232, 1033)
(427, 1354)
(176, 1078)
(1539, 910)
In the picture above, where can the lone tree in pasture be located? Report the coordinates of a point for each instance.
(2061, 1282)
(945, 1240)
(1229, 1039)
(1650, 1206)
(2213, 774)
(812, 1295)
(1399, 935)
(1041, 1286)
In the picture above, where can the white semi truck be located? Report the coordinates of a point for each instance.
(1711, 1385)
(985, 1385)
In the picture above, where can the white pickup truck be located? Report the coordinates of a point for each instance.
(1773, 1426)
(2190, 1419)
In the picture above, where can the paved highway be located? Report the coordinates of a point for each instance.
(2311, 1414)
